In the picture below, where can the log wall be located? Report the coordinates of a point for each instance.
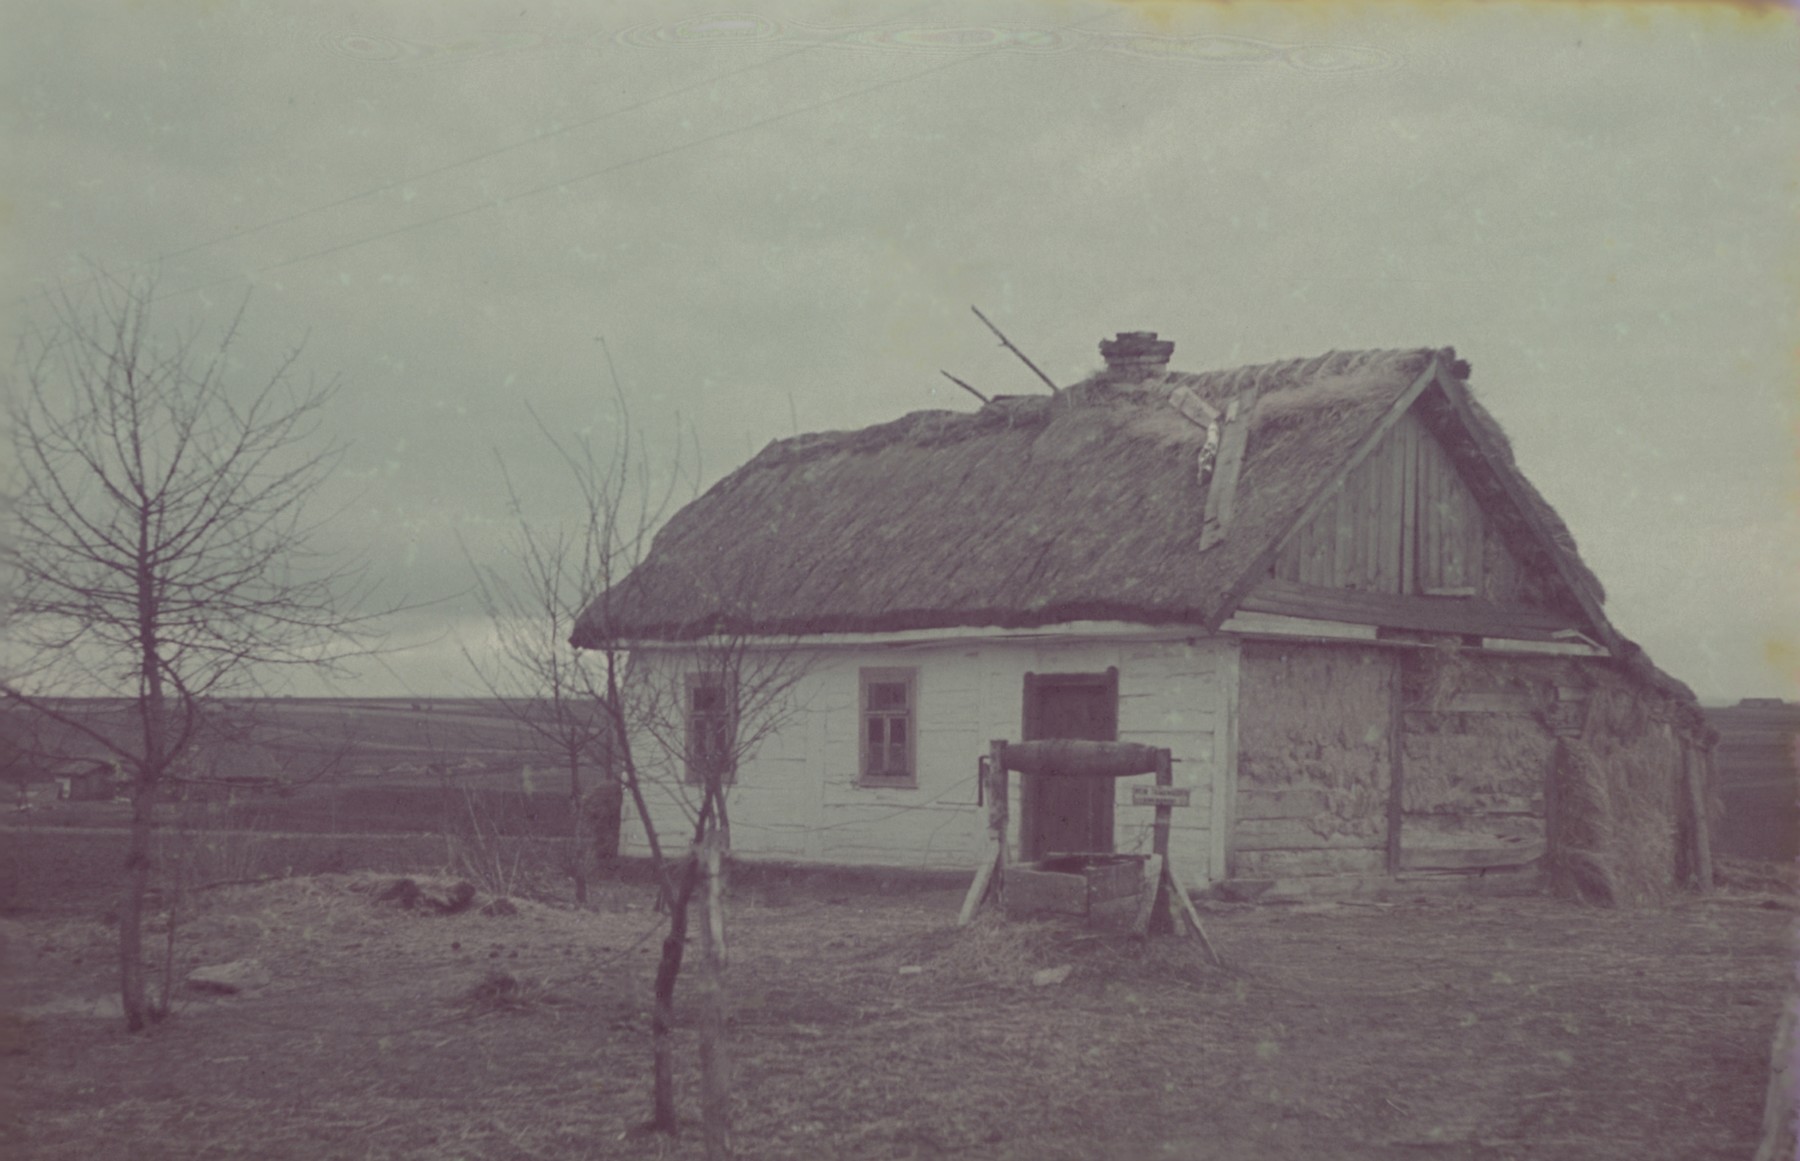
(1314, 760)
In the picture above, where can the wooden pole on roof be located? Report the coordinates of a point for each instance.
(1007, 343)
(964, 386)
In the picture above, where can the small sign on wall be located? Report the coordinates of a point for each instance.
(1159, 795)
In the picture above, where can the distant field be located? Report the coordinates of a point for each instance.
(303, 738)
(361, 807)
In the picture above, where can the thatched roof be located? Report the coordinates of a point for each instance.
(1032, 510)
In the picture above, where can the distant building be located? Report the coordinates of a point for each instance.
(91, 782)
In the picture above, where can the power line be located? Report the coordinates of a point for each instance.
(519, 144)
(563, 183)
(497, 151)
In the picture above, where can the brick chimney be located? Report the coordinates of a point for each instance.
(1136, 353)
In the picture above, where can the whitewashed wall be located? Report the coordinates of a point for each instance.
(797, 798)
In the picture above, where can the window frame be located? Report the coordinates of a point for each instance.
(885, 675)
(690, 716)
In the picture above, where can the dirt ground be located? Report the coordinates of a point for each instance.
(1436, 1029)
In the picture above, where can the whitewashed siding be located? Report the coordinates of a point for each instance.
(798, 797)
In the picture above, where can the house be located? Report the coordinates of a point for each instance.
(91, 782)
(1323, 584)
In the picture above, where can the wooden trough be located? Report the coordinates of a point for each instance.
(1102, 890)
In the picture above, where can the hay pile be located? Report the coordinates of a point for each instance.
(1617, 792)
(1621, 828)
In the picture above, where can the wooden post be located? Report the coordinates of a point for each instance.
(1396, 807)
(1221, 494)
(1778, 1098)
(1178, 892)
(990, 876)
(1160, 922)
(1153, 875)
(1553, 861)
(715, 1069)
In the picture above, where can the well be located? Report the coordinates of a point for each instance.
(1102, 889)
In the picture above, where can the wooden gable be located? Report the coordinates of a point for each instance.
(1406, 540)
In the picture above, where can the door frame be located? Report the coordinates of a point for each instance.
(1031, 727)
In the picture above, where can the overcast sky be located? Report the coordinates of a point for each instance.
(778, 216)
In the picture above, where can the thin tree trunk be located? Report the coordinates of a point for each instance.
(628, 772)
(579, 869)
(662, 1014)
(145, 782)
(133, 997)
(715, 1070)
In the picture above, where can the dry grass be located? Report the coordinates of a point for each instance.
(1498, 1029)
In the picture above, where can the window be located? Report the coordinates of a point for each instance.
(889, 705)
(709, 732)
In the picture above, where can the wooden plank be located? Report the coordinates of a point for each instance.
(1221, 493)
(1471, 830)
(1287, 565)
(1152, 887)
(1462, 616)
(1475, 543)
(1324, 543)
(1426, 531)
(1392, 493)
(1120, 880)
(1343, 548)
(984, 875)
(1396, 814)
(1494, 806)
(1490, 856)
(1368, 533)
(1279, 804)
(1500, 702)
(1293, 864)
(1297, 834)
(1222, 806)
(1408, 434)
(1179, 893)
(1030, 891)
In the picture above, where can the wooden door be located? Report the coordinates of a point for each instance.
(1064, 813)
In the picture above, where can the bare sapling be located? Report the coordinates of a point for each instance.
(163, 547)
(530, 602)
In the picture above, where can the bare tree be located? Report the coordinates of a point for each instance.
(681, 720)
(710, 704)
(532, 602)
(163, 547)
